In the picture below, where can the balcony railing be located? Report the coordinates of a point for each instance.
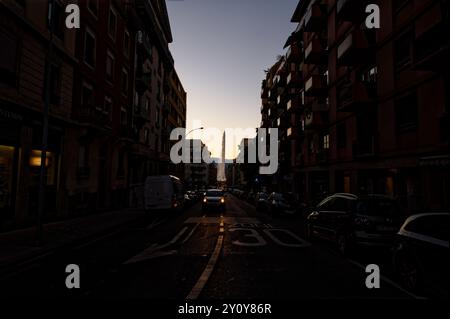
(355, 47)
(316, 86)
(355, 94)
(314, 19)
(293, 104)
(350, 10)
(293, 79)
(94, 116)
(315, 53)
(294, 53)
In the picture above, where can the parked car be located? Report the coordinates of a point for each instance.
(214, 199)
(163, 193)
(279, 204)
(420, 254)
(351, 221)
(261, 201)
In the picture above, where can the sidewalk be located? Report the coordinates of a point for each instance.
(20, 245)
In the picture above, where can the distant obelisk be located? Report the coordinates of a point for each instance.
(221, 176)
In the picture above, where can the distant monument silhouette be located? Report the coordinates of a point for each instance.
(221, 176)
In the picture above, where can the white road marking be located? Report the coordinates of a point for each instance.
(190, 234)
(201, 282)
(153, 250)
(388, 281)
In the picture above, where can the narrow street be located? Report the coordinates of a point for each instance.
(166, 257)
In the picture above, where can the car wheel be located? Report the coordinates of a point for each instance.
(409, 273)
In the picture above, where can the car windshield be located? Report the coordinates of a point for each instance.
(214, 194)
(377, 207)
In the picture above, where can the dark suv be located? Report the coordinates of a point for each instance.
(350, 221)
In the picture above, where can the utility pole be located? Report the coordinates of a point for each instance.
(43, 170)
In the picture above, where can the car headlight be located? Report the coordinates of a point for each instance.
(222, 200)
(205, 200)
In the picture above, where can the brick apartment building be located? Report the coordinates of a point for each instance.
(110, 81)
(366, 111)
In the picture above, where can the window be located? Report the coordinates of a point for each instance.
(54, 81)
(8, 58)
(406, 112)
(124, 81)
(112, 23)
(370, 75)
(59, 17)
(121, 164)
(93, 7)
(89, 48)
(83, 160)
(146, 136)
(87, 96)
(110, 66)
(126, 44)
(403, 50)
(108, 106)
(123, 116)
(157, 118)
(341, 135)
(326, 142)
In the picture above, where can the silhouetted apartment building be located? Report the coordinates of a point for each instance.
(24, 38)
(108, 126)
(373, 102)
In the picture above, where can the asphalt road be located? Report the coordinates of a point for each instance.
(237, 254)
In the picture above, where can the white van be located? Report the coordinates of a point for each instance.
(163, 193)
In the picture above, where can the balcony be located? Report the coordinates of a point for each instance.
(365, 147)
(294, 53)
(316, 86)
(430, 46)
(355, 94)
(350, 10)
(314, 19)
(293, 79)
(313, 121)
(355, 47)
(320, 105)
(143, 79)
(94, 116)
(141, 115)
(293, 104)
(315, 53)
(322, 156)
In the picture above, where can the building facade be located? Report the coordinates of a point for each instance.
(371, 104)
(110, 84)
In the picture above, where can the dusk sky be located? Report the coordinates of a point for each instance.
(221, 49)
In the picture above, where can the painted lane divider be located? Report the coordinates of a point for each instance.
(154, 250)
(201, 282)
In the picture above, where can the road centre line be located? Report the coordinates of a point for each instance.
(201, 282)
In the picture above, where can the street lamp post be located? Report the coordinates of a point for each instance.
(196, 129)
